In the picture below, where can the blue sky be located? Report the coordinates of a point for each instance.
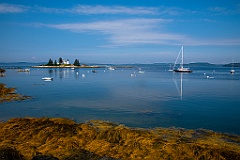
(120, 31)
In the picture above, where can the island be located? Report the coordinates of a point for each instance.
(66, 64)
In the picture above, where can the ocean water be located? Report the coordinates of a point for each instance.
(156, 98)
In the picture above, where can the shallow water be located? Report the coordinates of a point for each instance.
(156, 98)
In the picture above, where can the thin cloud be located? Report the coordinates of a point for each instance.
(133, 32)
(111, 10)
(96, 9)
(112, 26)
(99, 9)
(49, 10)
(224, 11)
(10, 8)
(125, 32)
(80, 9)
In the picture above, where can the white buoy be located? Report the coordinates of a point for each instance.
(83, 75)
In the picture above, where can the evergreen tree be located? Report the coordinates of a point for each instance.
(76, 62)
(55, 63)
(50, 62)
(60, 60)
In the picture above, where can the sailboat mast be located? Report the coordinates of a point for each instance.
(182, 58)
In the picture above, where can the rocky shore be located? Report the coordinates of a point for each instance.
(60, 138)
(9, 94)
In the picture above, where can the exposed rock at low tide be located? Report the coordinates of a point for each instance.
(60, 138)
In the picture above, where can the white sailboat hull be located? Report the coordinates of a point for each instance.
(187, 70)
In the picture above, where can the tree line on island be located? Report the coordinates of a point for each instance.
(62, 62)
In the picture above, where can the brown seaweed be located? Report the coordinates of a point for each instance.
(64, 139)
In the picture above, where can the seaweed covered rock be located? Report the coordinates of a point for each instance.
(8, 94)
(60, 138)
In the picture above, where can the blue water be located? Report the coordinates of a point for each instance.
(152, 99)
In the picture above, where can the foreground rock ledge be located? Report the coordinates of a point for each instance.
(60, 138)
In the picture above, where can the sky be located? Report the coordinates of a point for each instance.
(120, 31)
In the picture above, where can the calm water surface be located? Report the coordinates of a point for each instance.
(156, 98)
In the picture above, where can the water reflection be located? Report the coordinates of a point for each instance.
(63, 73)
(179, 84)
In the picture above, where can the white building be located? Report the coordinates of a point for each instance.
(66, 61)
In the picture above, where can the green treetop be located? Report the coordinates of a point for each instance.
(50, 62)
(76, 62)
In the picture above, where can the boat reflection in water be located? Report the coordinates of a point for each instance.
(179, 89)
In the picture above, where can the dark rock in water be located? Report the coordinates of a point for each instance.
(41, 157)
(10, 154)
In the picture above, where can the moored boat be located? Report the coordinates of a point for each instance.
(181, 68)
(47, 78)
(111, 68)
(186, 70)
(232, 71)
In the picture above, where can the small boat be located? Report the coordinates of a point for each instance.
(141, 72)
(181, 68)
(111, 68)
(232, 71)
(94, 71)
(47, 78)
(186, 70)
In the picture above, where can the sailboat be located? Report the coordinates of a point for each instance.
(232, 71)
(181, 68)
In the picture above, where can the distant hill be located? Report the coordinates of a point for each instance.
(200, 63)
(232, 65)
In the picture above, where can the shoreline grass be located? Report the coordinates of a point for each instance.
(65, 139)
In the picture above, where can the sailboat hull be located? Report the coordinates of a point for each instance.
(182, 70)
